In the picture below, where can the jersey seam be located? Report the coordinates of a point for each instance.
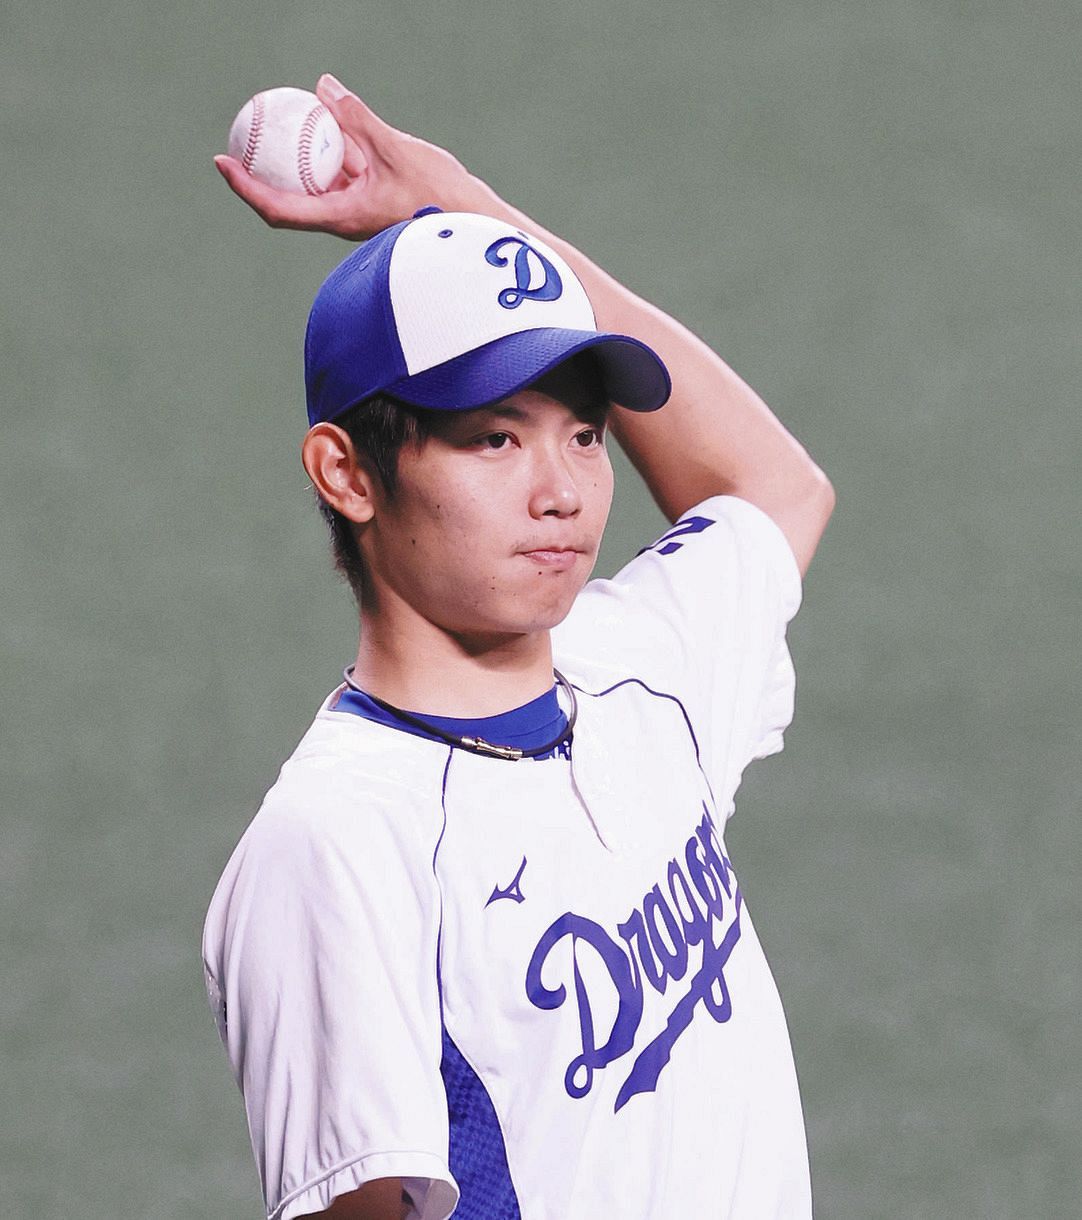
(499, 1121)
(659, 694)
(439, 980)
(439, 884)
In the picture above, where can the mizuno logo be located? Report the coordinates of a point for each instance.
(551, 286)
(513, 891)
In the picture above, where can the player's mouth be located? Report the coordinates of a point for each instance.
(556, 559)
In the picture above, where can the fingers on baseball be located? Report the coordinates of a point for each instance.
(354, 161)
(356, 119)
(236, 176)
(280, 209)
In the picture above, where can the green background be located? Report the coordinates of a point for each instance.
(872, 210)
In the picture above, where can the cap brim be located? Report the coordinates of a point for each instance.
(633, 373)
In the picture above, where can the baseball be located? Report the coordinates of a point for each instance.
(288, 139)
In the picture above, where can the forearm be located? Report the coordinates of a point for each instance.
(715, 436)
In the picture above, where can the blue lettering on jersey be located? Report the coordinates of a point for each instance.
(666, 544)
(700, 906)
(550, 288)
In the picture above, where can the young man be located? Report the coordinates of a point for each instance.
(482, 950)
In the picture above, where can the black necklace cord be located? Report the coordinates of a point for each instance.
(476, 745)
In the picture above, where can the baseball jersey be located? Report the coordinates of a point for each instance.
(532, 990)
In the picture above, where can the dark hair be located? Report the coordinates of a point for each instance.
(379, 427)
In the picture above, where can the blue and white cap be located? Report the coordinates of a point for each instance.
(452, 311)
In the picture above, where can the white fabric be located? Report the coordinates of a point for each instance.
(357, 912)
(446, 302)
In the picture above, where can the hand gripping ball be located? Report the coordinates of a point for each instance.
(288, 139)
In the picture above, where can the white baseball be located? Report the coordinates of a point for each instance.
(288, 139)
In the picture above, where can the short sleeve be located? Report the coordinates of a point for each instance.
(320, 951)
(702, 615)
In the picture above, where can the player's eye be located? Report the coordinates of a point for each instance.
(588, 437)
(495, 440)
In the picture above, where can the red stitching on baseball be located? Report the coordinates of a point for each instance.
(255, 132)
(304, 149)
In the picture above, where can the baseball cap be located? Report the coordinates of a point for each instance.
(451, 311)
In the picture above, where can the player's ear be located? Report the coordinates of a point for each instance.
(339, 478)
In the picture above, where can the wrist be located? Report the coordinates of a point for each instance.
(474, 195)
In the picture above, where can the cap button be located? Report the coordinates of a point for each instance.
(426, 211)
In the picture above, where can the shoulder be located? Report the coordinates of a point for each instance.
(353, 805)
(722, 535)
(347, 769)
(721, 567)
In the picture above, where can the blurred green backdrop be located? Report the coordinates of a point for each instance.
(872, 210)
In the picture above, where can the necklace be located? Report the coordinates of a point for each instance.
(476, 745)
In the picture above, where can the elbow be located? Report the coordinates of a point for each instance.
(823, 495)
(809, 512)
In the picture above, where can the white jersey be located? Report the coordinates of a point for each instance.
(532, 989)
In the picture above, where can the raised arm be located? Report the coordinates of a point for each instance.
(715, 436)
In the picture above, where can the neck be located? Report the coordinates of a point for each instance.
(447, 674)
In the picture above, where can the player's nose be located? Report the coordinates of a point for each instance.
(554, 491)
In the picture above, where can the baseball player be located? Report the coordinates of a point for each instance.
(482, 952)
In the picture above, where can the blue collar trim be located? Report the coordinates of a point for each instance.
(532, 725)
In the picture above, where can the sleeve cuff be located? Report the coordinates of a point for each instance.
(426, 1177)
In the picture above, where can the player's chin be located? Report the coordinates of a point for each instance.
(547, 601)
